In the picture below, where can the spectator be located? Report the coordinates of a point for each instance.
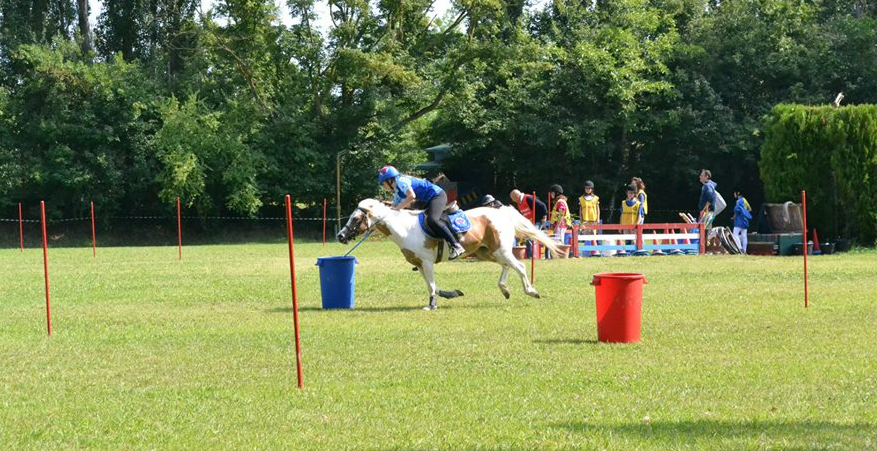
(490, 201)
(560, 217)
(589, 207)
(741, 220)
(631, 208)
(707, 202)
(525, 203)
(642, 197)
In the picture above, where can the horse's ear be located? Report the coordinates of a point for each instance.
(369, 205)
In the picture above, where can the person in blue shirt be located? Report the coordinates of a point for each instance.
(741, 220)
(407, 190)
(707, 203)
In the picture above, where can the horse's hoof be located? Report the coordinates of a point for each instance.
(430, 307)
(450, 294)
(506, 294)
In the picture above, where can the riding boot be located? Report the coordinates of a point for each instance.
(456, 250)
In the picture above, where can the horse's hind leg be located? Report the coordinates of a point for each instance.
(507, 259)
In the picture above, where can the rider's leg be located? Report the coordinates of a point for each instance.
(433, 220)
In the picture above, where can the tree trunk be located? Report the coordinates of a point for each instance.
(84, 29)
(37, 20)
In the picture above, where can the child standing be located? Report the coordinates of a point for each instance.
(560, 216)
(741, 220)
(631, 211)
(642, 197)
(589, 207)
(631, 208)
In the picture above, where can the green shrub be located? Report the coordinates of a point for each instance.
(832, 154)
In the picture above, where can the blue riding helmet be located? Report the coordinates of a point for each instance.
(387, 173)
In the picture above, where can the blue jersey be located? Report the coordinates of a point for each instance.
(424, 190)
(741, 214)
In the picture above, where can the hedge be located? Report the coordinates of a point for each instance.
(832, 154)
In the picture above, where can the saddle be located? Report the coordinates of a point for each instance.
(452, 216)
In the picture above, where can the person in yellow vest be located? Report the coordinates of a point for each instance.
(589, 212)
(589, 207)
(631, 208)
(560, 216)
(631, 211)
(641, 196)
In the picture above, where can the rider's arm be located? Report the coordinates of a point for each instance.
(410, 197)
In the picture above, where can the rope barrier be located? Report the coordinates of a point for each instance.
(184, 217)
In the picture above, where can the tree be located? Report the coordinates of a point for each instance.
(76, 131)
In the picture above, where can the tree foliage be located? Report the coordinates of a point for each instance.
(231, 108)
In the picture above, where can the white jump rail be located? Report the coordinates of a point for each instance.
(690, 238)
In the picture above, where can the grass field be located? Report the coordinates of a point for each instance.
(149, 352)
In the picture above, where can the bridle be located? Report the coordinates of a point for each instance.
(368, 230)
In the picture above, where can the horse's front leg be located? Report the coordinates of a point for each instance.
(428, 272)
(503, 276)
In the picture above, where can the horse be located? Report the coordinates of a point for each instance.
(490, 238)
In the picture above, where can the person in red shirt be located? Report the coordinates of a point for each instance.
(524, 203)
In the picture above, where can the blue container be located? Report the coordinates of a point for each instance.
(337, 281)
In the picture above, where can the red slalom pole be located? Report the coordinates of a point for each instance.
(179, 229)
(804, 214)
(93, 235)
(289, 233)
(21, 227)
(534, 246)
(46, 266)
(324, 221)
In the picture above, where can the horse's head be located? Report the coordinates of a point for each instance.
(366, 215)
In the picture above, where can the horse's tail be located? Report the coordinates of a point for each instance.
(525, 229)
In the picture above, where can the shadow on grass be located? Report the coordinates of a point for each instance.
(418, 308)
(356, 309)
(567, 341)
(773, 434)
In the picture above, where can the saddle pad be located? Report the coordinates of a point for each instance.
(458, 223)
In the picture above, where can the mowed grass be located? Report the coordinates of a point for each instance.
(149, 352)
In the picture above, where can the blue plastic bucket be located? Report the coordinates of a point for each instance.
(337, 281)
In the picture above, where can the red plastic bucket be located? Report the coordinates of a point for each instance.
(619, 306)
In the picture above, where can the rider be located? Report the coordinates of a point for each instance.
(406, 190)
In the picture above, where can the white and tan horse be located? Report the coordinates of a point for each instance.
(490, 238)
